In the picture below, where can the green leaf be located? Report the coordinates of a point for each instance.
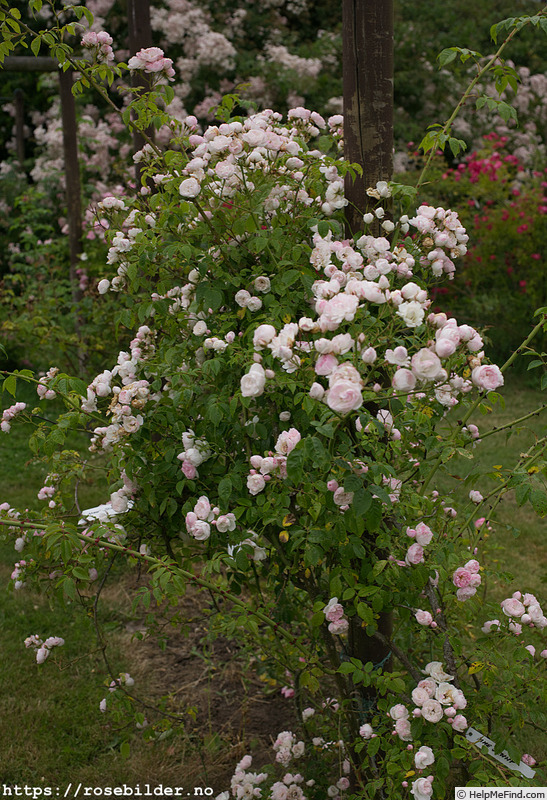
(447, 56)
(10, 384)
(538, 498)
(522, 493)
(295, 464)
(362, 501)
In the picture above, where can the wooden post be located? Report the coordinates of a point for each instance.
(18, 102)
(140, 36)
(368, 141)
(368, 99)
(72, 176)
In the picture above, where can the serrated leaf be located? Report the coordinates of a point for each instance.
(538, 499)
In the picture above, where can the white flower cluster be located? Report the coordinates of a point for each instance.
(274, 463)
(42, 388)
(441, 230)
(199, 521)
(435, 698)
(8, 414)
(43, 649)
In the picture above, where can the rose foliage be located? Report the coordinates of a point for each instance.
(273, 432)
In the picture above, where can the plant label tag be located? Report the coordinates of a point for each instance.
(477, 738)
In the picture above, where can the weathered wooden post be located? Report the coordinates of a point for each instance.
(18, 102)
(368, 99)
(72, 176)
(368, 141)
(140, 36)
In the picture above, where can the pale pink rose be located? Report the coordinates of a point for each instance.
(399, 356)
(253, 383)
(368, 356)
(475, 496)
(529, 760)
(344, 396)
(487, 627)
(429, 685)
(287, 441)
(422, 789)
(531, 649)
(316, 391)
(201, 530)
(262, 336)
(366, 290)
(419, 696)
(426, 365)
(465, 593)
(461, 577)
(333, 611)
(403, 381)
(512, 607)
(487, 377)
(414, 554)
(411, 313)
(255, 484)
(423, 757)
(432, 710)
(345, 372)
(424, 534)
(445, 348)
(366, 731)
(202, 508)
(402, 729)
(325, 364)
(515, 628)
(189, 470)
(423, 617)
(342, 343)
(398, 711)
(226, 522)
(190, 520)
(339, 627)
(459, 723)
(189, 188)
(338, 309)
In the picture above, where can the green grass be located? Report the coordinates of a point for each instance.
(522, 555)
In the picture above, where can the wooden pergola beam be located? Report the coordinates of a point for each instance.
(30, 64)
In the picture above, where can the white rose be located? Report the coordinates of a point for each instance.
(404, 380)
(424, 757)
(189, 188)
(426, 365)
(253, 383)
(242, 297)
(263, 335)
(262, 284)
(254, 304)
(344, 396)
(411, 313)
(255, 484)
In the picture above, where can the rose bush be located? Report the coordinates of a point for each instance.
(273, 433)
